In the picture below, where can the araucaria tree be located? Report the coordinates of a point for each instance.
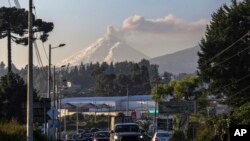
(14, 26)
(224, 59)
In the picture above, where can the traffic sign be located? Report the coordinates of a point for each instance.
(174, 107)
(52, 113)
(152, 111)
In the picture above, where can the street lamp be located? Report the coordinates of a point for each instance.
(49, 73)
(49, 66)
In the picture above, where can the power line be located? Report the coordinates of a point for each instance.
(9, 3)
(46, 55)
(242, 90)
(224, 50)
(227, 59)
(242, 78)
(17, 4)
(40, 61)
(45, 51)
(235, 82)
(237, 54)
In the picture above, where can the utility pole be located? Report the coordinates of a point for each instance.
(60, 81)
(127, 109)
(29, 134)
(44, 116)
(54, 102)
(54, 86)
(109, 118)
(95, 111)
(49, 71)
(77, 120)
(65, 121)
(156, 101)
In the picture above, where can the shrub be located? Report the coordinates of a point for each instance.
(13, 131)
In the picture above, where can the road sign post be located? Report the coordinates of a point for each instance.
(52, 113)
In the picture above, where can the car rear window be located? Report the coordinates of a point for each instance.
(102, 134)
(127, 128)
(87, 135)
(162, 135)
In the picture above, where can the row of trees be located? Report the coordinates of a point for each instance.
(101, 79)
(122, 77)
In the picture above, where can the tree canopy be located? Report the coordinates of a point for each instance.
(224, 56)
(14, 26)
(184, 89)
(12, 97)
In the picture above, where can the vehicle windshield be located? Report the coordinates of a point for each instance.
(162, 135)
(102, 134)
(126, 128)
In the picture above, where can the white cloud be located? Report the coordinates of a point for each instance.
(168, 24)
(164, 35)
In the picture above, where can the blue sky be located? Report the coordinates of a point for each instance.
(78, 23)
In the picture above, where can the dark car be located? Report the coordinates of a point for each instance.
(101, 136)
(126, 132)
(93, 130)
(86, 137)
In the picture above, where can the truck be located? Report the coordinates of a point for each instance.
(163, 123)
(120, 119)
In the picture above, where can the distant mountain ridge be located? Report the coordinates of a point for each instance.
(112, 48)
(106, 49)
(184, 61)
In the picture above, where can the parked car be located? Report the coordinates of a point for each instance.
(101, 136)
(162, 136)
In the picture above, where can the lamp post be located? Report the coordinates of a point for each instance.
(49, 75)
(49, 66)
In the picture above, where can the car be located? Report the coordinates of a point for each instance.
(80, 131)
(126, 132)
(76, 137)
(93, 130)
(86, 137)
(101, 136)
(162, 136)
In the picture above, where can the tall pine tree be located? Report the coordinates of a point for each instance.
(227, 73)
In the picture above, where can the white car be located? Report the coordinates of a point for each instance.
(162, 136)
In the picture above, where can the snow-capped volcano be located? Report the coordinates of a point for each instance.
(109, 48)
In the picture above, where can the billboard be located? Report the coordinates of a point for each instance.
(177, 107)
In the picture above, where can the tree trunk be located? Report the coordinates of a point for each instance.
(9, 50)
